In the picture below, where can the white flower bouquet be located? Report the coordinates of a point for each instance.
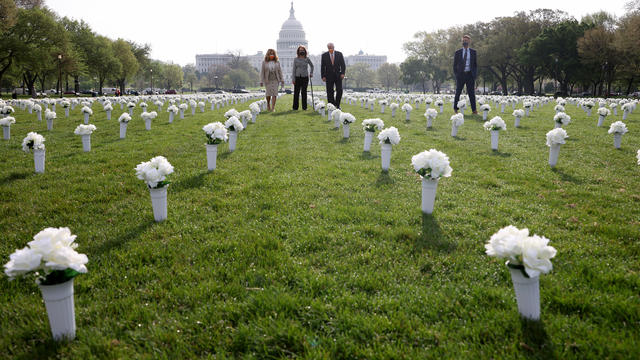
(231, 112)
(618, 127)
(172, 109)
(562, 118)
(462, 104)
(556, 137)
(530, 254)
(588, 104)
(49, 115)
(372, 125)
(559, 108)
(347, 118)
(143, 105)
(86, 110)
(245, 116)
(154, 172)
(65, 104)
(149, 115)
(52, 252)
(485, 107)
(254, 108)
(33, 141)
(233, 124)
(604, 112)
(84, 129)
(518, 113)
(7, 121)
(108, 107)
(407, 108)
(431, 113)
(8, 110)
(439, 102)
(124, 118)
(389, 136)
(394, 107)
(216, 133)
(131, 104)
(431, 164)
(183, 106)
(527, 104)
(495, 124)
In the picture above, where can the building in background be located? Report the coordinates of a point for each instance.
(290, 37)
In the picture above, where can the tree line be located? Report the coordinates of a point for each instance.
(599, 54)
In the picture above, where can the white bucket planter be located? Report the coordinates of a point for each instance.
(371, 107)
(322, 112)
(6, 132)
(517, 123)
(58, 300)
(368, 136)
(181, 114)
(123, 130)
(159, 109)
(244, 122)
(441, 108)
(588, 112)
(484, 115)
(49, 124)
(86, 118)
(131, 111)
(212, 155)
(147, 124)
(159, 203)
(615, 111)
(526, 112)
(233, 138)
(624, 115)
(617, 140)
(393, 112)
(121, 106)
(39, 113)
(329, 115)
(193, 110)
(494, 139)
(385, 156)
(408, 117)
(108, 114)
(501, 108)
(454, 131)
(527, 294)
(345, 131)
(66, 112)
(382, 109)
(600, 120)
(86, 143)
(336, 123)
(554, 151)
(429, 187)
(38, 160)
(253, 118)
(171, 115)
(429, 122)
(558, 125)
(202, 108)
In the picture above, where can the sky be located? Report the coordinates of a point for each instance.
(177, 30)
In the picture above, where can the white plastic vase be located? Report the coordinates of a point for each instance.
(385, 156)
(53, 108)
(494, 139)
(600, 120)
(371, 107)
(429, 122)
(121, 106)
(558, 125)
(625, 114)
(233, 138)
(322, 112)
(86, 143)
(554, 151)
(201, 108)
(147, 124)
(441, 108)
(123, 130)
(131, 111)
(6, 132)
(408, 116)
(49, 124)
(501, 108)
(393, 112)
(484, 115)
(86, 118)
(39, 113)
(244, 122)
(517, 123)
(58, 300)
(382, 109)
(193, 110)
(429, 187)
(617, 140)
(108, 114)
(66, 112)
(368, 136)
(181, 114)
(171, 115)
(346, 129)
(527, 294)
(336, 122)
(38, 160)
(589, 112)
(159, 203)
(526, 111)
(253, 118)
(160, 109)
(212, 155)
(615, 111)
(454, 131)
(329, 115)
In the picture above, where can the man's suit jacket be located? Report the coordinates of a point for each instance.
(329, 71)
(458, 63)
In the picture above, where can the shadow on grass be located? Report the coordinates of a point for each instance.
(566, 177)
(535, 340)
(334, 129)
(190, 183)
(343, 141)
(500, 153)
(384, 179)
(366, 155)
(14, 176)
(48, 349)
(125, 237)
(459, 138)
(432, 236)
(225, 154)
(283, 113)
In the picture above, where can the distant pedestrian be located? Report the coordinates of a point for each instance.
(332, 69)
(271, 76)
(301, 77)
(465, 68)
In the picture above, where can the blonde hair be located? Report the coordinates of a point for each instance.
(275, 55)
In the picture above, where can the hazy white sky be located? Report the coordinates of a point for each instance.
(177, 30)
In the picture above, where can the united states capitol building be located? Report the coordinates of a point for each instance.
(291, 36)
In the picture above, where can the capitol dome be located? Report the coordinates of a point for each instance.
(291, 36)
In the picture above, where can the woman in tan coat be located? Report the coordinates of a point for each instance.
(271, 76)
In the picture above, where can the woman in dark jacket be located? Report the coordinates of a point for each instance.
(300, 77)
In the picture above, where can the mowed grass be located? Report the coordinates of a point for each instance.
(297, 245)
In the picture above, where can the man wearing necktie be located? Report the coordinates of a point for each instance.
(465, 68)
(332, 69)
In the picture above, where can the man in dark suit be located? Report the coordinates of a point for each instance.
(332, 69)
(465, 68)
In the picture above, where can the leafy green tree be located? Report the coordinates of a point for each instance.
(388, 75)
(173, 76)
(361, 74)
(415, 71)
(190, 76)
(128, 62)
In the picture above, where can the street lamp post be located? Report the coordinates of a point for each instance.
(60, 74)
(151, 71)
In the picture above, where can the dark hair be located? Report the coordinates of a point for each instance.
(301, 47)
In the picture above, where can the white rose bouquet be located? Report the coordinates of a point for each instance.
(254, 108)
(84, 129)
(7, 121)
(556, 137)
(33, 141)
(562, 118)
(154, 172)
(433, 164)
(231, 112)
(393, 106)
(618, 127)
(518, 113)
(65, 103)
(216, 133)
(143, 105)
(172, 109)
(51, 251)
(108, 107)
(347, 118)
(559, 108)
(407, 108)
(431, 113)
(8, 110)
(183, 106)
(439, 102)
(124, 118)
(457, 119)
(495, 124)
(485, 107)
(49, 115)
(233, 124)
(131, 105)
(149, 115)
(389, 136)
(372, 125)
(604, 112)
(86, 110)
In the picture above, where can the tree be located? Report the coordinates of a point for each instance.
(216, 73)
(128, 62)
(598, 52)
(190, 76)
(433, 49)
(415, 71)
(8, 15)
(102, 60)
(388, 75)
(627, 43)
(173, 76)
(361, 74)
(236, 78)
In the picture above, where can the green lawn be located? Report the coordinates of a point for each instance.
(299, 246)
